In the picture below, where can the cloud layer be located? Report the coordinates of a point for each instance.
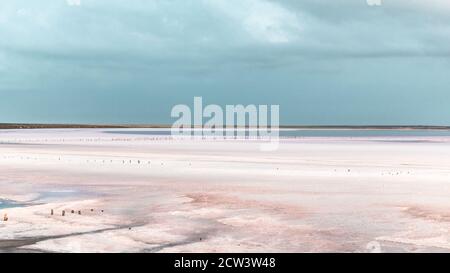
(324, 62)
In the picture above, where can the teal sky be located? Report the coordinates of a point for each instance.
(324, 62)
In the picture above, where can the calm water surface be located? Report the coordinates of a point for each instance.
(317, 133)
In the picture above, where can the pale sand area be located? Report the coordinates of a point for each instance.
(162, 195)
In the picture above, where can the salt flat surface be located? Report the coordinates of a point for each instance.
(140, 193)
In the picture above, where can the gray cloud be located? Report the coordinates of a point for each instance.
(280, 51)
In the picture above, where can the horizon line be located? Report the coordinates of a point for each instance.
(164, 126)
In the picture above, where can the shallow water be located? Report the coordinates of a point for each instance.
(58, 195)
(8, 204)
(315, 133)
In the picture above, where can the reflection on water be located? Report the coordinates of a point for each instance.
(49, 196)
(57, 195)
(66, 195)
(8, 204)
(363, 133)
(315, 133)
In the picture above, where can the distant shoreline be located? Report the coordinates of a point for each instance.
(164, 126)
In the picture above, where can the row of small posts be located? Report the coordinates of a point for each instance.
(63, 212)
